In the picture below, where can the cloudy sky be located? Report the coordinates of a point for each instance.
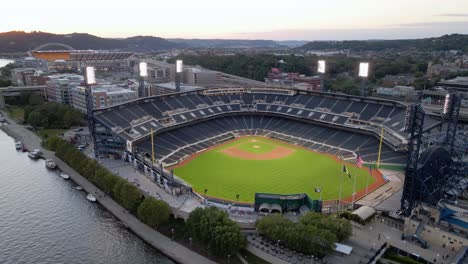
(246, 19)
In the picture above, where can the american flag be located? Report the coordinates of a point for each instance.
(359, 161)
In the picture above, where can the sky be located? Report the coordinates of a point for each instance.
(241, 19)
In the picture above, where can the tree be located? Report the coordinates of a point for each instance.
(154, 212)
(130, 196)
(214, 229)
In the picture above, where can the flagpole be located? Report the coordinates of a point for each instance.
(354, 192)
(341, 184)
(380, 147)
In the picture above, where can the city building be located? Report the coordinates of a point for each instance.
(31, 62)
(59, 87)
(199, 76)
(396, 80)
(27, 76)
(397, 91)
(103, 96)
(277, 78)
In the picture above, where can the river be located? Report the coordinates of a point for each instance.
(44, 219)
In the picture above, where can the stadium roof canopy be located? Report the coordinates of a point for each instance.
(364, 212)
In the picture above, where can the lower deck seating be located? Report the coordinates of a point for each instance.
(174, 145)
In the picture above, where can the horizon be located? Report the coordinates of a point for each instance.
(252, 39)
(206, 19)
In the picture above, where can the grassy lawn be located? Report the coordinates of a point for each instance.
(225, 176)
(50, 132)
(16, 112)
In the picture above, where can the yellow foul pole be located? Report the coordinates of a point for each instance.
(152, 146)
(380, 147)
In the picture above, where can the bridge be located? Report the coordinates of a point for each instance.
(16, 91)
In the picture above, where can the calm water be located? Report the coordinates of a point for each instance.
(44, 219)
(4, 62)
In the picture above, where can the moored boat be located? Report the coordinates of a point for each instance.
(50, 164)
(91, 198)
(33, 154)
(64, 176)
(18, 145)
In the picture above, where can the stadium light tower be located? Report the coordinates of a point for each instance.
(90, 79)
(179, 70)
(143, 72)
(321, 68)
(363, 73)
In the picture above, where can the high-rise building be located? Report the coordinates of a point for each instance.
(103, 96)
(59, 87)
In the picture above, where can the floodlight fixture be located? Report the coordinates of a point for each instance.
(363, 69)
(447, 103)
(143, 69)
(90, 75)
(321, 66)
(179, 66)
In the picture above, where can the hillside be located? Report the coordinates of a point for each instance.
(227, 43)
(19, 41)
(446, 42)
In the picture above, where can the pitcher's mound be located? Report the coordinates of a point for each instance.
(256, 146)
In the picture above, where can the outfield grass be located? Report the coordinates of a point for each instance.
(225, 176)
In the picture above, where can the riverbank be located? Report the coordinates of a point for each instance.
(164, 244)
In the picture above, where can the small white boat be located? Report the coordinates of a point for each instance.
(18, 145)
(33, 155)
(79, 188)
(38, 152)
(64, 176)
(91, 198)
(50, 164)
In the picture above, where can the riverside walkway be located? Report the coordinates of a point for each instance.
(171, 249)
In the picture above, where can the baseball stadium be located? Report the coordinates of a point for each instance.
(231, 144)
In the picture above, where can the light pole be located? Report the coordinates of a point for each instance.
(90, 79)
(321, 67)
(143, 72)
(178, 77)
(363, 73)
(341, 182)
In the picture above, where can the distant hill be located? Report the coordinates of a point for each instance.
(226, 43)
(446, 42)
(19, 41)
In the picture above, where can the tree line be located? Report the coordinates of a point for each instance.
(446, 42)
(314, 234)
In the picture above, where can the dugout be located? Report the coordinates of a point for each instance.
(279, 203)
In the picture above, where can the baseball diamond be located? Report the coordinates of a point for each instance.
(246, 165)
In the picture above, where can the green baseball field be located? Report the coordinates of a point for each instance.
(248, 165)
